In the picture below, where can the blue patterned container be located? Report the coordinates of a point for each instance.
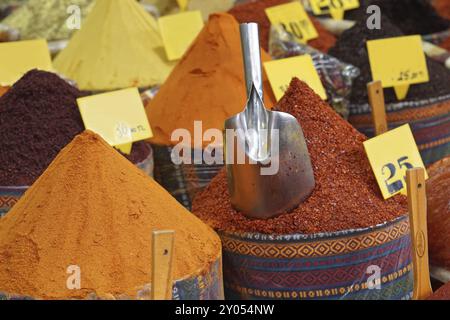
(320, 266)
(203, 285)
(9, 196)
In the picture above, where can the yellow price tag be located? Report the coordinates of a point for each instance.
(280, 73)
(398, 62)
(178, 31)
(336, 8)
(390, 155)
(294, 19)
(183, 4)
(17, 58)
(118, 116)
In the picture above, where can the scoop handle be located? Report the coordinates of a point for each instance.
(252, 57)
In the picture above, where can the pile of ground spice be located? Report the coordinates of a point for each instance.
(254, 11)
(346, 195)
(443, 7)
(351, 48)
(438, 195)
(3, 90)
(443, 293)
(207, 85)
(38, 19)
(119, 46)
(411, 16)
(93, 209)
(38, 117)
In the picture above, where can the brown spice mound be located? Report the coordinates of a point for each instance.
(346, 194)
(438, 195)
(443, 293)
(254, 11)
(94, 209)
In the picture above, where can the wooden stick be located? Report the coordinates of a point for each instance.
(162, 264)
(417, 203)
(376, 100)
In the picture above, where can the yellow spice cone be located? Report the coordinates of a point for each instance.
(118, 46)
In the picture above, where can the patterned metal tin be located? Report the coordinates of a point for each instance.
(429, 120)
(203, 285)
(322, 266)
(10, 195)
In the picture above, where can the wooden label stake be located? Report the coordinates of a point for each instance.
(162, 264)
(417, 203)
(376, 100)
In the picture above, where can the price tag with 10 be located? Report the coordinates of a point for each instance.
(390, 155)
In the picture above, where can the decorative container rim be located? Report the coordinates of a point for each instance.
(295, 237)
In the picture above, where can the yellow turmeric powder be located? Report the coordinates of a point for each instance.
(206, 85)
(94, 209)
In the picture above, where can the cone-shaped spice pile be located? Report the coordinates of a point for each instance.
(207, 84)
(92, 208)
(438, 213)
(118, 46)
(346, 194)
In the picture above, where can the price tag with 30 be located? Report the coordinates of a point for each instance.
(398, 62)
(390, 155)
(294, 19)
(336, 8)
(118, 116)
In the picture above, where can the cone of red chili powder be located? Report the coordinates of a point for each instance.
(342, 229)
(347, 195)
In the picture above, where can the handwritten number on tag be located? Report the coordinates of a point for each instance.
(395, 186)
(295, 29)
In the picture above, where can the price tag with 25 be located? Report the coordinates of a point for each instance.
(294, 19)
(390, 155)
(398, 62)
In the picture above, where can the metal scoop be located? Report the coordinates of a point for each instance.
(268, 165)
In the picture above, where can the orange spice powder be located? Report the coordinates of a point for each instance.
(94, 209)
(206, 85)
